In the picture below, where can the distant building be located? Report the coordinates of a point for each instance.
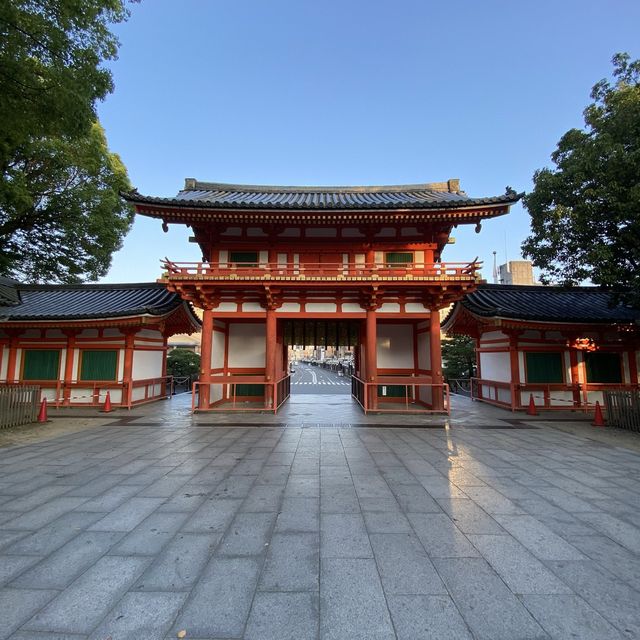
(516, 272)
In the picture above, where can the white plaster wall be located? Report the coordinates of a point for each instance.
(351, 307)
(263, 258)
(389, 307)
(217, 355)
(89, 333)
(626, 376)
(290, 232)
(494, 335)
(252, 306)
(424, 351)
(223, 258)
(415, 307)
(146, 364)
(289, 307)
(4, 363)
(556, 398)
(495, 366)
(379, 257)
(395, 346)
(321, 233)
(409, 231)
(567, 367)
(352, 233)
(521, 366)
(115, 333)
(256, 232)
(321, 307)
(418, 257)
(145, 333)
(247, 344)
(386, 232)
(121, 364)
(55, 333)
(227, 306)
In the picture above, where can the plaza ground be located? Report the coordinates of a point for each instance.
(319, 522)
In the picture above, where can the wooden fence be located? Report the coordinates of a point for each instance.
(623, 409)
(18, 405)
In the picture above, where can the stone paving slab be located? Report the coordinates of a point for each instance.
(307, 531)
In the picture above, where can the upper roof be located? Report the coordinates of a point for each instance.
(584, 305)
(214, 195)
(90, 301)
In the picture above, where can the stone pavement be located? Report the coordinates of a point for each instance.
(486, 526)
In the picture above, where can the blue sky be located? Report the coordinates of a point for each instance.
(297, 92)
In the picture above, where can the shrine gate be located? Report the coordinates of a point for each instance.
(356, 266)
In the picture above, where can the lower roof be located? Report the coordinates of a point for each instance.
(64, 302)
(585, 305)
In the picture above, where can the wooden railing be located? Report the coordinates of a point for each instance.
(94, 392)
(462, 271)
(551, 396)
(273, 397)
(18, 405)
(371, 396)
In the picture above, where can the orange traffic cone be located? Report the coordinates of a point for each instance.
(531, 409)
(598, 419)
(42, 415)
(107, 404)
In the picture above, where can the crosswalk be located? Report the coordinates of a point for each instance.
(327, 382)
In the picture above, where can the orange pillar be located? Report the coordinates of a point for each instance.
(371, 356)
(633, 367)
(270, 354)
(515, 370)
(575, 376)
(13, 356)
(436, 360)
(127, 372)
(205, 359)
(68, 365)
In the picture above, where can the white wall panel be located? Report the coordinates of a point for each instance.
(247, 344)
(321, 307)
(424, 351)
(146, 364)
(395, 346)
(495, 366)
(217, 355)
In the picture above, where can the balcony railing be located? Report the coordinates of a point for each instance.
(451, 271)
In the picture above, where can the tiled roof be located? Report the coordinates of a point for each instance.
(89, 301)
(213, 195)
(548, 304)
(8, 291)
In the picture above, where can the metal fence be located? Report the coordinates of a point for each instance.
(623, 409)
(18, 405)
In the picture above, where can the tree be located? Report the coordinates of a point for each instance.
(60, 212)
(183, 362)
(585, 213)
(61, 216)
(458, 357)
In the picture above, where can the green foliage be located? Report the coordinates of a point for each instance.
(585, 213)
(458, 357)
(183, 362)
(61, 217)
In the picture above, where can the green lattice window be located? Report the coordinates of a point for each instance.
(41, 364)
(250, 390)
(544, 367)
(398, 257)
(603, 367)
(244, 258)
(99, 365)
